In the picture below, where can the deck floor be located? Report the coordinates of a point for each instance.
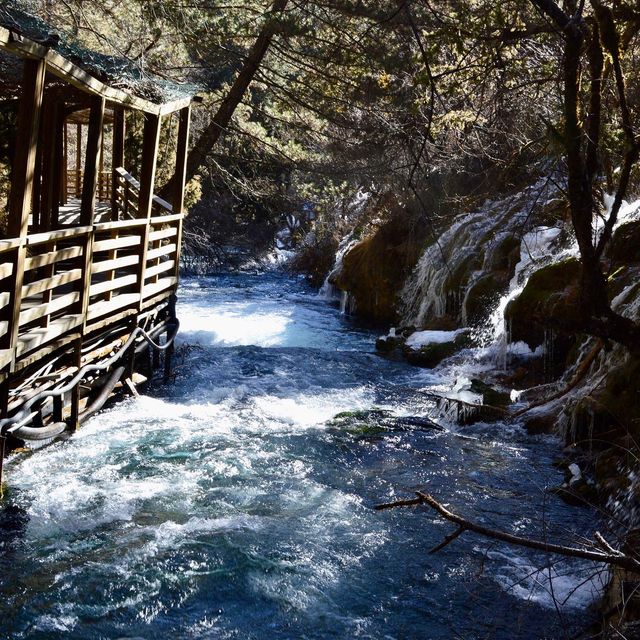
(69, 213)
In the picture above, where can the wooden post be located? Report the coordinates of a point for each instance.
(27, 140)
(117, 158)
(53, 154)
(3, 440)
(59, 173)
(181, 160)
(64, 186)
(180, 177)
(87, 213)
(22, 187)
(78, 160)
(151, 142)
(92, 161)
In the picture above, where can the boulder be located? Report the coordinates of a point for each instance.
(431, 353)
(374, 270)
(550, 300)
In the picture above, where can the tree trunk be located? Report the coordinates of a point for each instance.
(220, 121)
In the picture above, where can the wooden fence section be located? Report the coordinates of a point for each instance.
(73, 187)
(60, 285)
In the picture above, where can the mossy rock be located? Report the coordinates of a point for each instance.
(431, 355)
(482, 296)
(549, 300)
(625, 244)
(374, 270)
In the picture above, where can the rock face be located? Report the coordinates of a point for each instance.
(550, 299)
(460, 279)
(374, 270)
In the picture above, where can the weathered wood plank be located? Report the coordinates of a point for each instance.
(104, 307)
(162, 234)
(164, 250)
(161, 285)
(52, 257)
(116, 243)
(110, 285)
(40, 336)
(116, 263)
(60, 234)
(57, 304)
(51, 282)
(157, 269)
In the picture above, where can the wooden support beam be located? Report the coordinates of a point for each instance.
(22, 190)
(64, 180)
(180, 177)
(117, 158)
(78, 160)
(27, 140)
(181, 160)
(92, 161)
(50, 159)
(150, 144)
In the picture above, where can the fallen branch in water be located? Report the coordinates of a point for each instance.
(609, 555)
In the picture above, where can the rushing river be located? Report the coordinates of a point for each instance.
(227, 505)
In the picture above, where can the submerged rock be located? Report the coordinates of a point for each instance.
(372, 422)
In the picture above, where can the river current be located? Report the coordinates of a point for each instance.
(229, 504)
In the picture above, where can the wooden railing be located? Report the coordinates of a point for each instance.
(74, 185)
(62, 284)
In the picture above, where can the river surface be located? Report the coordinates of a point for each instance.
(226, 505)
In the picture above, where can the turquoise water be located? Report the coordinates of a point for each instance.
(226, 506)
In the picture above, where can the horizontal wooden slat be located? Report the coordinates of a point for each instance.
(162, 233)
(51, 283)
(51, 236)
(52, 256)
(156, 287)
(11, 243)
(110, 285)
(103, 307)
(117, 263)
(119, 224)
(159, 268)
(6, 269)
(28, 315)
(174, 217)
(164, 250)
(116, 243)
(5, 296)
(40, 336)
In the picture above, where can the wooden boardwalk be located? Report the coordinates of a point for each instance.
(90, 264)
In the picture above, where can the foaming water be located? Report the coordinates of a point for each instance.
(230, 505)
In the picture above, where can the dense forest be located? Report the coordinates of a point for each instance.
(460, 175)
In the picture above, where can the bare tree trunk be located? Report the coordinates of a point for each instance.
(220, 121)
(582, 149)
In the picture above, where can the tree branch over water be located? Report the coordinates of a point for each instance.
(608, 554)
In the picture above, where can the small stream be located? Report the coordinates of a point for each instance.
(227, 505)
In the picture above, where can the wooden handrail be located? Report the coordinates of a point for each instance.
(135, 184)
